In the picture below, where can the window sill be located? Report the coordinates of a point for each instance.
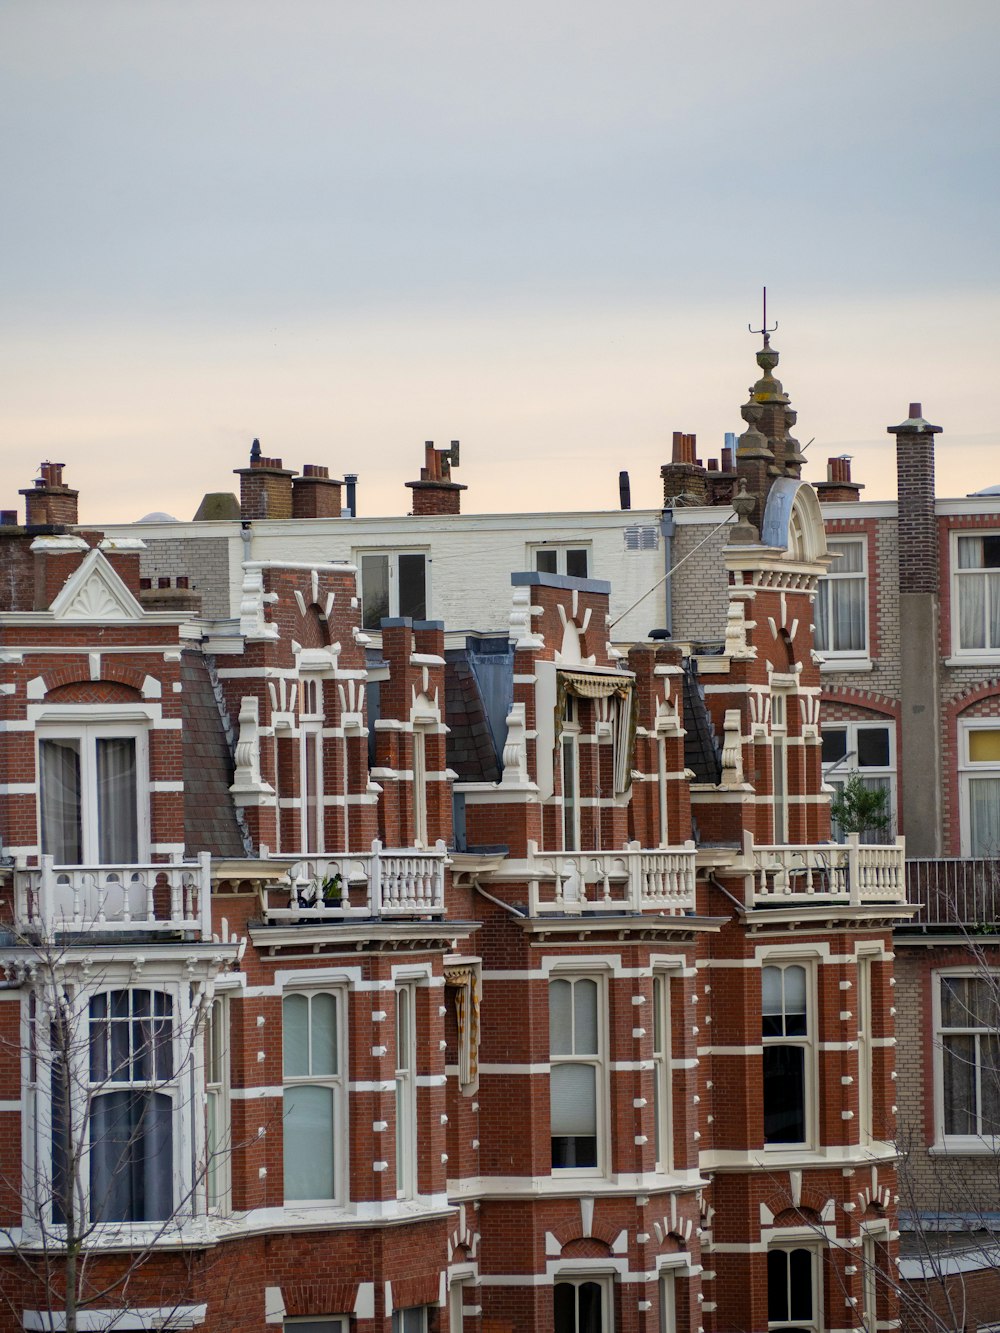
(828, 664)
(973, 659)
(965, 1147)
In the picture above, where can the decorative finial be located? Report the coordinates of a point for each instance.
(255, 451)
(764, 330)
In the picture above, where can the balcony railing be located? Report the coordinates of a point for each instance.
(636, 879)
(382, 883)
(956, 893)
(850, 872)
(168, 897)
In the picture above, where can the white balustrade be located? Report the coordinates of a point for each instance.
(635, 879)
(382, 883)
(169, 896)
(849, 872)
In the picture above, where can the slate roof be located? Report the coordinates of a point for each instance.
(470, 750)
(701, 746)
(210, 823)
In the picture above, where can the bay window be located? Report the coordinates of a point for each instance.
(841, 609)
(314, 1117)
(866, 750)
(577, 1084)
(786, 1040)
(406, 1094)
(580, 1305)
(968, 1041)
(976, 581)
(217, 1141)
(90, 781)
(662, 1119)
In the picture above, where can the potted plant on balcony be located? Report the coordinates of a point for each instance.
(857, 808)
(333, 891)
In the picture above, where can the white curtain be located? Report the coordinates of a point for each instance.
(117, 808)
(984, 816)
(60, 777)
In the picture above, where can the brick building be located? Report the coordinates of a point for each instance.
(363, 976)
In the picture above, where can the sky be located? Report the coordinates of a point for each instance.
(350, 226)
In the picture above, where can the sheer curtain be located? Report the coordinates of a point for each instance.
(117, 810)
(59, 762)
(984, 816)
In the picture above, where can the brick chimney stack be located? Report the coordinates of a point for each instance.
(838, 487)
(265, 487)
(684, 475)
(50, 501)
(919, 569)
(435, 492)
(316, 494)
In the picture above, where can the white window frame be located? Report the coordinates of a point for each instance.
(836, 774)
(789, 1244)
(840, 659)
(779, 765)
(419, 741)
(663, 1118)
(313, 1323)
(807, 1042)
(184, 1089)
(218, 1141)
(88, 733)
(560, 548)
(872, 1235)
(569, 760)
(866, 1049)
(312, 836)
(668, 1301)
(599, 1062)
(577, 1278)
(956, 1143)
(986, 654)
(968, 771)
(337, 1082)
(407, 1166)
(412, 1319)
(392, 554)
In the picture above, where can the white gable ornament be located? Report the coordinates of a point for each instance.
(95, 591)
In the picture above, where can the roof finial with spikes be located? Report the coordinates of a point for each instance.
(764, 330)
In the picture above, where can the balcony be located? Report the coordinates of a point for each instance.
(168, 898)
(850, 873)
(636, 879)
(955, 893)
(344, 886)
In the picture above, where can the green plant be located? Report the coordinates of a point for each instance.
(858, 808)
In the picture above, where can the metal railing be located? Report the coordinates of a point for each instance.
(636, 879)
(338, 886)
(850, 872)
(166, 897)
(960, 893)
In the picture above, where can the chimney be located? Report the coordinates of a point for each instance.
(435, 492)
(838, 487)
(351, 483)
(316, 494)
(684, 476)
(50, 501)
(624, 491)
(918, 549)
(265, 487)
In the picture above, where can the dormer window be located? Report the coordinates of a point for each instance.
(89, 787)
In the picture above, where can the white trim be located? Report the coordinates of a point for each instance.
(117, 1320)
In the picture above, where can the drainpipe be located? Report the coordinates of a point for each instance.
(667, 532)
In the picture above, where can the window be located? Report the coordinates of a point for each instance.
(580, 1306)
(869, 1281)
(576, 1087)
(979, 761)
(406, 1095)
(785, 1035)
(560, 559)
(867, 749)
(969, 1048)
(413, 1320)
(841, 610)
(662, 1119)
(393, 583)
(863, 1005)
(419, 787)
(791, 1290)
(131, 1094)
(311, 766)
(315, 1326)
(779, 766)
(217, 1143)
(89, 782)
(569, 743)
(977, 589)
(313, 1094)
(668, 1304)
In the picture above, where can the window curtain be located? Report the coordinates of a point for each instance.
(984, 816)
(131, 1156)
(117, 803)
(308, 1139)
(848, 607)
(580, 685)
(62, 836)
(822, 616)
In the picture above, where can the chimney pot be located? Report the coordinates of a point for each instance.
(915, 411)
